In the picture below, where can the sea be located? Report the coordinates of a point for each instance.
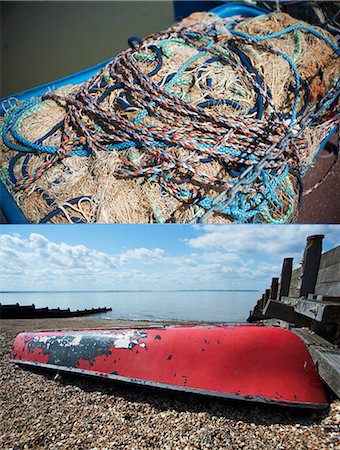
(207, 305)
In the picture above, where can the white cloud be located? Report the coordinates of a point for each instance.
(233, 257)
(148, 256)
(38, 258)
(272, 240)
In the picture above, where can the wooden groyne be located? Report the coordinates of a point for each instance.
(31, 312)
(307, 300)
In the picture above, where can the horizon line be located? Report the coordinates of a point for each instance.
(130, 290)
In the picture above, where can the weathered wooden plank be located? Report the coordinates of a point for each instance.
(329, 298)
(286, 275)
(320, 311)
(325, 356)
(310, 264)
(329, 274)
(289, 300)
(328, 366)
(277, 323)
(274, 288)
(330, 257)
(279, 310)
(331, 289)
(310, 338)
(294, 287)
(328, 282)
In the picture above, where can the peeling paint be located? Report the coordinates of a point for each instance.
(69, 349)
(239, 362)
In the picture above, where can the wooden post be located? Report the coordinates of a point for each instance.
(274, 288)
(310, 264)
(286, 275)
(263, 301)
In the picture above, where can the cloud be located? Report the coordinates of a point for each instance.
(41, 258)
(148, 256)
(271, 240)
(220, 257)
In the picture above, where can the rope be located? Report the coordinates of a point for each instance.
(202, 133)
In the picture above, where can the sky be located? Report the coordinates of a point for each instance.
(155, 257)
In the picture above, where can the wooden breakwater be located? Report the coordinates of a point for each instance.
(31, 312)
(307, 301)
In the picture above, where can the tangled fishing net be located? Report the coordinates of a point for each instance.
(214, 120)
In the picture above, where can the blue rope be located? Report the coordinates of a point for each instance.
(109, 90)
(11, 167)
(45, 196)
(286, 57)
(285, 31)
(56, 127)
(219, 101)
(187, 64)
(10, 124)
(57, 211)
(24, 165)
(27, 146)
(132, 40)
(306, 103)
(245, 60)
(244, 209)
(158, 52)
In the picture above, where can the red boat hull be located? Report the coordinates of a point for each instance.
(243, 362)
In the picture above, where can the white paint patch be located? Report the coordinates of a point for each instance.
(76, 340)
(44, 339)
(127, 338)
(60, 340)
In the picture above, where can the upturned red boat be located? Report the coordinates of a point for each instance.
(256, 363)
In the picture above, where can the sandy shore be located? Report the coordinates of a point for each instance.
(39, 411)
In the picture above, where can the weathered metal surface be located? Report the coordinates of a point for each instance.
(254, 363)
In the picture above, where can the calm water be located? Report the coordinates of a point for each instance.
(188, 305)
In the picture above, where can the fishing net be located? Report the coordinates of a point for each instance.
(213, 120)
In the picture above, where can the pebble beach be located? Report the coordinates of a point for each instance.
(45, 411)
